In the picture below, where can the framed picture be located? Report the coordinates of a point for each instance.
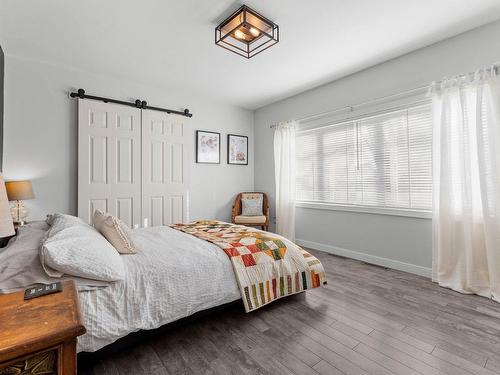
(237, 149)
(207, 147)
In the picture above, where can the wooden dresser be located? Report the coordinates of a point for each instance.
(38, 336)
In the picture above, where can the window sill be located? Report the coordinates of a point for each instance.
(366, 210)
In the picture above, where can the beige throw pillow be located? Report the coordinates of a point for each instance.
(115, 231)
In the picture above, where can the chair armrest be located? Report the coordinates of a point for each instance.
(233, 213)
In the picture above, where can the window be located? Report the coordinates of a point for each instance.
(381, 161)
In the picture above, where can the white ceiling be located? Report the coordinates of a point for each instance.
(171, 43)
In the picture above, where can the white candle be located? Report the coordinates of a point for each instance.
(145, 225)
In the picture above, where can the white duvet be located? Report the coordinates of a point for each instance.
(172, 276)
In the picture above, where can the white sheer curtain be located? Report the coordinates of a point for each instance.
(466, 184)
(284, 169)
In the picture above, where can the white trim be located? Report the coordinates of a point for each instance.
(365, 209)
(372, 259)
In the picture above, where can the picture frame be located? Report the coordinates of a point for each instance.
(237, 149)
(207, 147)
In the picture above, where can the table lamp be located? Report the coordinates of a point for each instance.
(6, 225)
(18, 191)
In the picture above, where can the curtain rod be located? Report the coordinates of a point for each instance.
(495, 67)
(351, 107)
(142, 104)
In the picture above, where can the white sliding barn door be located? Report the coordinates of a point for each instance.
(109, 160)
(164, 168)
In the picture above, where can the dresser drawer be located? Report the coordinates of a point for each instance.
(41, 363)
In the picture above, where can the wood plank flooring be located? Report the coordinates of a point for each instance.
(368, 320)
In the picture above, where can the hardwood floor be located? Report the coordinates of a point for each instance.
(368, 320)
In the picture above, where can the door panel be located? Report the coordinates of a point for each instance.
(164, 168)
(109, 160)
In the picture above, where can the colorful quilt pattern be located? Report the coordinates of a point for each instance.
(265, 267)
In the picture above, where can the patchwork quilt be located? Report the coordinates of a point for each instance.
(266, 266)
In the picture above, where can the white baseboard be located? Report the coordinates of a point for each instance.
(372, 259)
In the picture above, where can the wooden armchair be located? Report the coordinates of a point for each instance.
(261, 220)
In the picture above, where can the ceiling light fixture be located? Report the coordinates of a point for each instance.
(246, 32)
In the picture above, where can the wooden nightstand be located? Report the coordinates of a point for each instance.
(38, 336)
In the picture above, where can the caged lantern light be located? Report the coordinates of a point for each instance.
(246, 32)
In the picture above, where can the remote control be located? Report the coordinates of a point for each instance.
(42, 289)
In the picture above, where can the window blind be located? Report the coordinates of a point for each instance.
(379, 161)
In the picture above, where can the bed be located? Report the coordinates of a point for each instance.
(174, 275)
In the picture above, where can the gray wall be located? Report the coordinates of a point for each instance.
(394, 241)
(41, 135)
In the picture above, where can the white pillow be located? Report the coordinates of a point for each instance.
(251, 206)
(58, 222)
(75, 248)
(115, 231)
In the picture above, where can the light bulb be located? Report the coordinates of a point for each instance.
(239, 34)
(254, 32)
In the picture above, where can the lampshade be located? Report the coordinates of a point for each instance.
(6, 225)
(19, 190)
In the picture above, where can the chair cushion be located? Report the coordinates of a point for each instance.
(251, 207)
(241, 219)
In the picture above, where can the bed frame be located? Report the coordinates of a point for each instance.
(86, 359)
